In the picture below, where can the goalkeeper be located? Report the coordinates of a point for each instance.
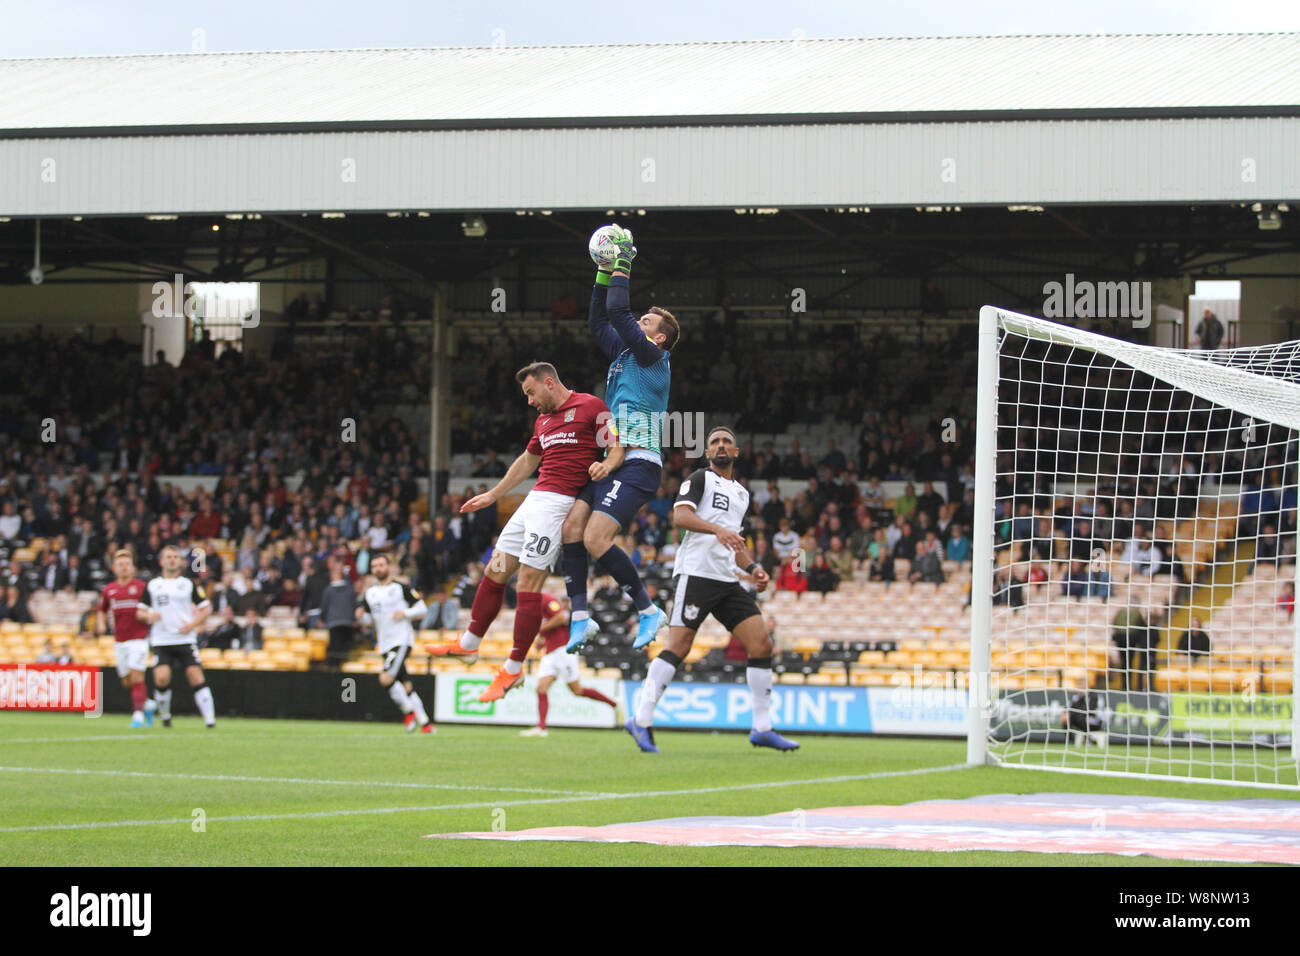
(636, 391)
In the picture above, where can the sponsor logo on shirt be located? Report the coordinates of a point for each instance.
(721, 501)
(558, 438)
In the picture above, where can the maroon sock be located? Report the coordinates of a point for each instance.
(543, 705)
(528, 619)
(487, 605)
(138, 696)
(596, 695)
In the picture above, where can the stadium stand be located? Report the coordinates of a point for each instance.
(839, 441)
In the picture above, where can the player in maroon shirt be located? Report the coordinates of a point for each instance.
(557, 662)
(121, 597)
(572, 443)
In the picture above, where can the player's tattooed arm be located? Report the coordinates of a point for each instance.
(519, 469)
(685, 518)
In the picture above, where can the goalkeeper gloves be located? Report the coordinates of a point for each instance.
(626, 251)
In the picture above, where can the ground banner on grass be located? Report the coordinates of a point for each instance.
(1245, 831)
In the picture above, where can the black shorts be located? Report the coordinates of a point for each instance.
(694, 599)
(621, 494)
(395, 662)
(177, 656)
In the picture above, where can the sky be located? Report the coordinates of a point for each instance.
(70, 28)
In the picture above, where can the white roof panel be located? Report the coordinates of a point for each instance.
(855, 78)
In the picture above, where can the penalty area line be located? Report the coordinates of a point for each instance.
(481, 804)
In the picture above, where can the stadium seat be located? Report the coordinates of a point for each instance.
(833, 677)
(1170, 681)
(1277, 682)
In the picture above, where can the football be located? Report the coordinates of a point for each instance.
(601, 246)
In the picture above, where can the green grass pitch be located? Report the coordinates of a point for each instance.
(81, 792)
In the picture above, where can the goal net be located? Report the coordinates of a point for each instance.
(1135, 556)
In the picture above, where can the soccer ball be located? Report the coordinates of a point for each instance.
(601, 246)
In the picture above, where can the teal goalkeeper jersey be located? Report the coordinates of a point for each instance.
(637, 396)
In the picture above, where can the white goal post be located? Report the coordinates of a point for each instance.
(1135, 567)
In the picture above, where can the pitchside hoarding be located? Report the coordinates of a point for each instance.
(1036, 716)
(57, 687)
(851, 710)
(456, 700)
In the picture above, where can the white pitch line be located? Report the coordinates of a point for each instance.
(480, 805)
(218, 737)
(81, 771)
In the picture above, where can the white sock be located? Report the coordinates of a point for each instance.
(150, 705)
(579, 616)
(759, 680)
(656, 681)
(203, 700)
(513, 666)
(137, 715)
(398, 693)
(164, 698)
(418, 706)
(470, 641)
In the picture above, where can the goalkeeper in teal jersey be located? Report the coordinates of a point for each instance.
(636, 391)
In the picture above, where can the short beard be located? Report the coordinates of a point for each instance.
(722, 461)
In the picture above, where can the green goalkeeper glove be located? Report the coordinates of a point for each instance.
(626, 251)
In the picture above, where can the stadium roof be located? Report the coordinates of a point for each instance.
(779, 81)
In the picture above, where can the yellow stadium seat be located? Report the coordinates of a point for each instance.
(216, 664)
(1277, 682)
(33, 628)
(1170, 681)
(791, 678)
(871, 657)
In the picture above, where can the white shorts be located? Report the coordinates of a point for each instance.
(132, 655)
(533, 532)
(559, 664)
